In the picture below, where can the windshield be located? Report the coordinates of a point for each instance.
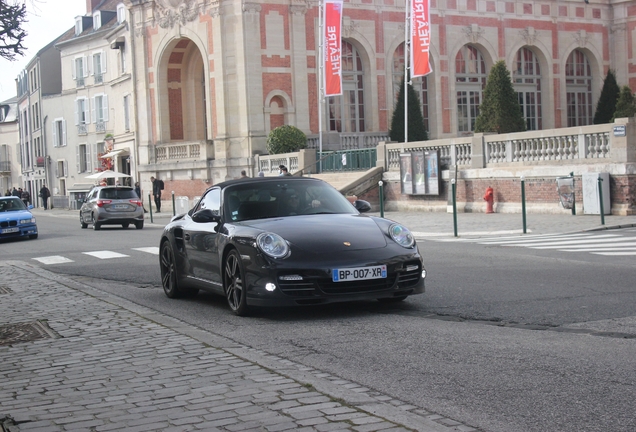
(11, 204)
(117, 194)
(256, 200)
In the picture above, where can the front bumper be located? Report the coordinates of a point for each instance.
(23, 231)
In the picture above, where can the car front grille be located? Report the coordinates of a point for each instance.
(7, 224)
(409, 278)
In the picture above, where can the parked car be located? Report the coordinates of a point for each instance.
(16, 220)
(112, 205)
(287, 241)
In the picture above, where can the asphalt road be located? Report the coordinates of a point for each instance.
(504, 339)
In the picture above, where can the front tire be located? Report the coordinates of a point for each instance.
(83, 224)
(234, 284)
(169, 277)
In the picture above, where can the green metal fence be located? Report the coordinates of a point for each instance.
(347, 160)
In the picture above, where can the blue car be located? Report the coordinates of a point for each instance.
(16, 220)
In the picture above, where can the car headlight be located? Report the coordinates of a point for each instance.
(26, 221)
(401, 235)
(273, 245)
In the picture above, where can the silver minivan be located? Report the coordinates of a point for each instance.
(112, 205)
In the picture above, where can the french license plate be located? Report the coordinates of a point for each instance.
(10, 230)
(358, 273)
(121, 206)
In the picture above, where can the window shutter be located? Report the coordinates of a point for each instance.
(55, 142)
(93, 109)
(57, 168)
(105, 107)
(93, 62)
(89, 167)
(86, 112)
(76, 112)
(77, 158)
(74, 69)
(65, 168)
(86, 65)
(63, 141)
(103, 58)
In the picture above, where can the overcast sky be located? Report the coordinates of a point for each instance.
(47, 19)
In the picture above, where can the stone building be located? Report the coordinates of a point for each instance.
(214, 77)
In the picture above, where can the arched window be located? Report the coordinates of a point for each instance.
(578, 87)
(420, 84)
(346, 113)
(183, 98)
(526, 79)
(470, 78)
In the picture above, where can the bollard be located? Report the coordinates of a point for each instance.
(150, 207)
(454, 207)
(381, 186)
(523, 202)
(573, 196)
(173, 207)
(600, 197)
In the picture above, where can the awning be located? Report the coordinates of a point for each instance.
(80, 187)
(111, 154)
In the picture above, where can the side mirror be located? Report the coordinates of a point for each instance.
(206, 216)
(362, 206)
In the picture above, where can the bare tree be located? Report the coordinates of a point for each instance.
(12, 33)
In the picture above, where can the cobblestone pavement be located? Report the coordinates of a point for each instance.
(76, 358)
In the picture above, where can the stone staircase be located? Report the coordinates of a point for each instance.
(339, 179)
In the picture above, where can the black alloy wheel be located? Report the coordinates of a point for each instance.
(233, 282)
(169, 279)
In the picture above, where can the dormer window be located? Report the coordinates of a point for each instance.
(97, 20)
(78, 26)
(121, 13)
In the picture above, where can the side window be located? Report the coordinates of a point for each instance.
(211, 201)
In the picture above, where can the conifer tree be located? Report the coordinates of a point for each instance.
(500, 111)
(606, 104)
(416, 129)
(626, 104)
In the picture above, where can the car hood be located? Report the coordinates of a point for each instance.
(339, 232)
(15, 215)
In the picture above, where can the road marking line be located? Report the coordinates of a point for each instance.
(573, 243)
(614, 253)
(151, 250)
(601, 249)
(55, 259)
(550, 240)
(105, 254)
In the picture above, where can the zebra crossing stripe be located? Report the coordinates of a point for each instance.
(549, 240)
(54, 259)
(105, 254)
(558, 245)
(151, 250)
(615, 253)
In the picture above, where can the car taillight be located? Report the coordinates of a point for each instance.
(136, 202)
(101, 202)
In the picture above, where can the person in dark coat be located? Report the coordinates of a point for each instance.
(26, 197)
(157, 187)
(45, 193)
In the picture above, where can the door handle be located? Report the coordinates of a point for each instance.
(186, 236)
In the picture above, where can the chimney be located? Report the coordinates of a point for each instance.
(91, 5)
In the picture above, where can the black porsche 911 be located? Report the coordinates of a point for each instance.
(287, 241)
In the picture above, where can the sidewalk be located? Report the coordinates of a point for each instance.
(76, 358)
(441, 224)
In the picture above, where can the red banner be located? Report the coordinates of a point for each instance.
(332, 45)
(420, 37)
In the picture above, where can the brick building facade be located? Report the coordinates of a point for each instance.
(214, 77)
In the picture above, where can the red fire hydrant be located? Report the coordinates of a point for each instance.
(489, 198)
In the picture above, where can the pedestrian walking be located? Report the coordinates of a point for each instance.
(157, 187)
(243, 174)
(138, 192)
(26, 197)
(16, 192)
(45, 193)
